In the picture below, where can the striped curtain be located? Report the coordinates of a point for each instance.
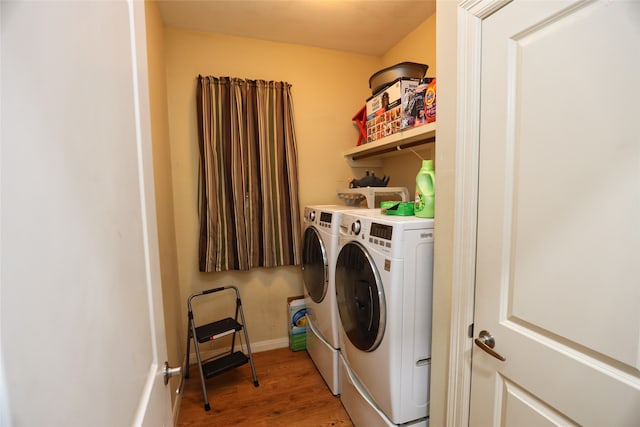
(249, 209)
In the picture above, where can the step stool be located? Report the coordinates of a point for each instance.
(215, 330)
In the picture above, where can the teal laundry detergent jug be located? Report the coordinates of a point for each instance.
(425, 190)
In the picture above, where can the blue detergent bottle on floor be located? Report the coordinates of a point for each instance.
(425, 190)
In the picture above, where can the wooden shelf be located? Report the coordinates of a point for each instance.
(393, 143)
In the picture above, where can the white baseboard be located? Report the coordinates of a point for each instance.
(256, 347)
(270, 345)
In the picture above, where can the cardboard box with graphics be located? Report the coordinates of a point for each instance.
(297, 323)
(391, 109)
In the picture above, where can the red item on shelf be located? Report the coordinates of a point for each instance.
(361, 120)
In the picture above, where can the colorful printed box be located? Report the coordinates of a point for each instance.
(391, 109)
(297, 323)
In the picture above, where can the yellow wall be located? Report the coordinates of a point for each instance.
(418, 46)
(328, 88)
(163, 187)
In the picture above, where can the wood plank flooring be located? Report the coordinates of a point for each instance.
(291, 393)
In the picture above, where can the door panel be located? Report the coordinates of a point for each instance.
(520, 408)
(558, 235)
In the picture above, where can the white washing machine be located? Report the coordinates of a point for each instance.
(319, 252)
(383, 281)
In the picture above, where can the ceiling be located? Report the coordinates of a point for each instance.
(368, 27)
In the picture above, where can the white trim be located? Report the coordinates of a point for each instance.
(176, 407)
(255, 348)
(465, 218)
(482, 9)
(270, 345)
(470, 16)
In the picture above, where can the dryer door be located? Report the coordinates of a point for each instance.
(360, 297)
(314, 265)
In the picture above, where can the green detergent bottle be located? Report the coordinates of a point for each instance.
(425, 190)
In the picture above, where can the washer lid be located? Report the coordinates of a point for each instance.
(314, 265)
(360, 297)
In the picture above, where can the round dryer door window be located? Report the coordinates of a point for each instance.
(360, 297)
(314, 265)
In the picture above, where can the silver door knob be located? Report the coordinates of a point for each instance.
(169, 372)
(486, 342)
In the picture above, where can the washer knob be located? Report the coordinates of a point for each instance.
(356, 227)
(312, 216)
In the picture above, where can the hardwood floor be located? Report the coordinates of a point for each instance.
(291, 393)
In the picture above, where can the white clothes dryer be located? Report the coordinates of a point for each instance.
(383, 281)
(319, 252)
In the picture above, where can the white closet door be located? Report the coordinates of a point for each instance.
(558, 244)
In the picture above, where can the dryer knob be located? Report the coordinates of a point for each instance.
(312, 216)
(355, 227)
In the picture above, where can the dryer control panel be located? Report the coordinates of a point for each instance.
(319, 218)
(325, 219)
(381, 230)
